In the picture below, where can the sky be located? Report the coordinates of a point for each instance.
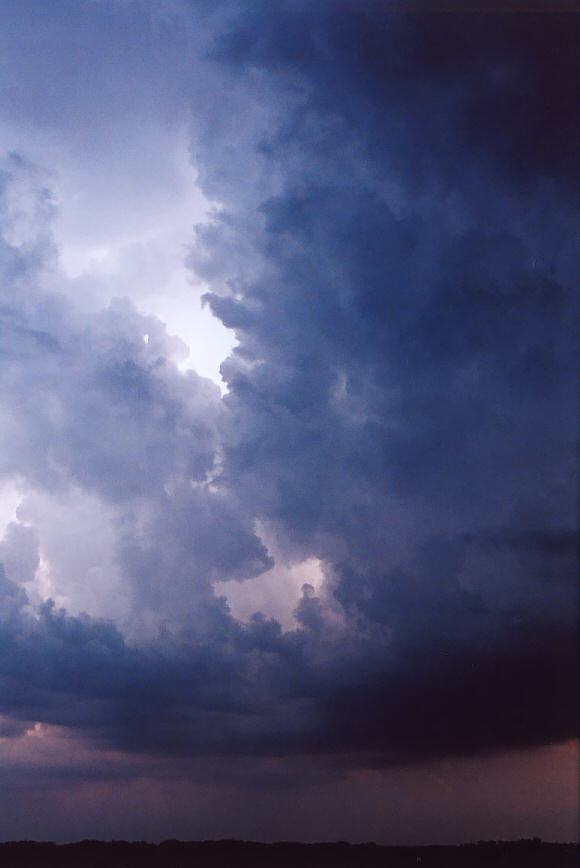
(288, 420)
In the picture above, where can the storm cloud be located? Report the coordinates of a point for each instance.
(402, 388)
(391, 240)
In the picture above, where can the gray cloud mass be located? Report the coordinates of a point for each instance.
(393, 245)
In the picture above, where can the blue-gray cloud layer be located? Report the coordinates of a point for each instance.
(394, 251)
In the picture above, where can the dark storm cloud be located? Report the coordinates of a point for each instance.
(402, 392)
(395, 254)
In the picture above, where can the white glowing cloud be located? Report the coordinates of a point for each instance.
(275, 593)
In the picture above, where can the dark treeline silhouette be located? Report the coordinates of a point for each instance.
(231, 854)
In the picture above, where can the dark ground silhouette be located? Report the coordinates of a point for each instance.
(231, 854)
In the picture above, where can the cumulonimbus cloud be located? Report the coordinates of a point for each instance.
(393, 252)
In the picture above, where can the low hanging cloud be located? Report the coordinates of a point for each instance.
(392, 249)
(399, 276)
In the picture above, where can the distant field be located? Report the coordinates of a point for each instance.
(230, 854)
